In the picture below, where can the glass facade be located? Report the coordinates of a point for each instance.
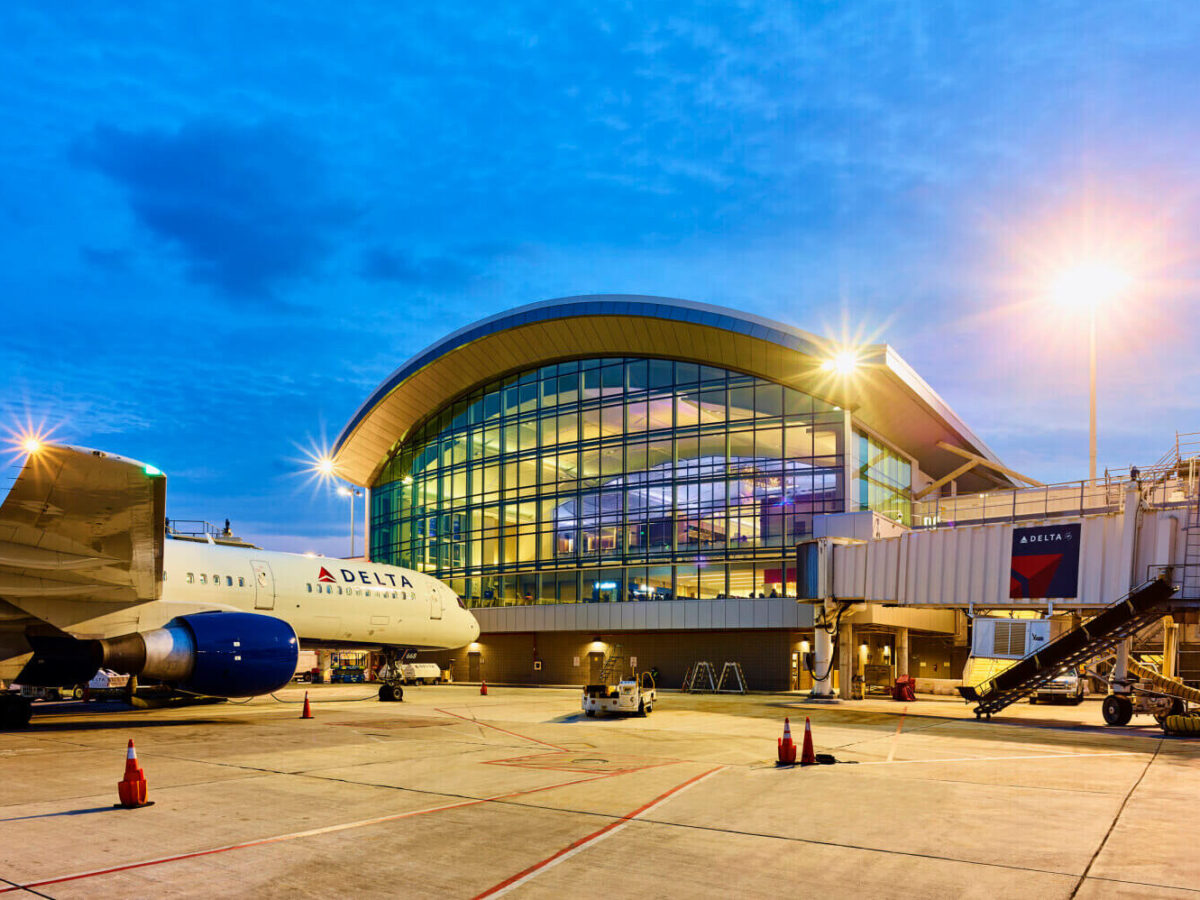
(612, 479)
(884, 479)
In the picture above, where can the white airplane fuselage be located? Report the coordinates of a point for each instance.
(324, 600)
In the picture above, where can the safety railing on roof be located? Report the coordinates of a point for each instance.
(1072, 498)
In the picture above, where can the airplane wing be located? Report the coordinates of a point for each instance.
(81, 538)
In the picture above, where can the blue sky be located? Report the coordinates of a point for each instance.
(224, 225)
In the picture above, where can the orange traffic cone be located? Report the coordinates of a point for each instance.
(807, 756)
(132, 788)
(307, 713)
(483, 688)
(787, 750)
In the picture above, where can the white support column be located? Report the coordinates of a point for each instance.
(901, 651)
(366, 523)
(847, 660)
(822, 662)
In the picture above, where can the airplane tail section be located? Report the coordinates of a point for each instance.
(81, 525)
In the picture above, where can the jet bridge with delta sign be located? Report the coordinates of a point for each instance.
(1127, 555)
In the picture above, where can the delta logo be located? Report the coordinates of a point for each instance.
(385, 579)
(1045, 562)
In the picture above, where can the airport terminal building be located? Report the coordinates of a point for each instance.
(630, 470)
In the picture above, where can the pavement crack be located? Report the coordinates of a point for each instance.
(1117, 817)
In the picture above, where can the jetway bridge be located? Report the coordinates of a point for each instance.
(1005, 554)
(1119, 555)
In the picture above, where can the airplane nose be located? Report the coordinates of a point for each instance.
(474, 627)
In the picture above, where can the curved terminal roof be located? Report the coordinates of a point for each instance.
(884, 393)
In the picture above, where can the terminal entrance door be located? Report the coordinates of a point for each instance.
(595, 664)
(473, 666)
(264, 585)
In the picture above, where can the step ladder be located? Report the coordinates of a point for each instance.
(613, 668)
(701, 679)
(1190, 587)
(732, 674)
(1116, 622)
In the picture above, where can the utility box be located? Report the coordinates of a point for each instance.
(1013, 639)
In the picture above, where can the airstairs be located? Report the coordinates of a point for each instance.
(1119, 620)
(615, 665)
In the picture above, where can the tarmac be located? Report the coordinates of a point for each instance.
(451, 794)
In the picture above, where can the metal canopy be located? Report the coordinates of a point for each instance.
(884, 393)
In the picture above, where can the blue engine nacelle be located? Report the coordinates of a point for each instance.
(219, 654)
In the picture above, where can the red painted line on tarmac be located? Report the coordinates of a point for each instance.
(505, 730)
(574, 847)
(312, 832)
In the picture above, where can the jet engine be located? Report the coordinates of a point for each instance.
(218, 654)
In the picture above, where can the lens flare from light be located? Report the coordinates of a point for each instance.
(29, 439)
(844, 362)
(1089, 284)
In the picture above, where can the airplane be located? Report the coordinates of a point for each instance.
(91, 577)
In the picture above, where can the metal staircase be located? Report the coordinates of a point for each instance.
(614, 664)
(1116, 622)
(1190, 589)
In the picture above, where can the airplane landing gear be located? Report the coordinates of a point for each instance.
(14, 712)
(392, 689)
(389, 692)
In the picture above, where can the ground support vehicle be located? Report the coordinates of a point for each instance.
(420, 673)
(348, 675)
(1066, 687)
(1150, 694)
(105, 684)
(631, 697)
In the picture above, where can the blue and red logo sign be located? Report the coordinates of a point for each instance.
(350, 576)
(1045, 563)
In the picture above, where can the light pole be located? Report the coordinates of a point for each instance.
(1092, 394)
(1089, 285)
(351, 493)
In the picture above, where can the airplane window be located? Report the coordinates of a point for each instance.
(262, 579)
(190, 577)
(329, 588)
(339, 588)
(203, 578)
(368, 592)
(241, 581)
(228, 581)
(216, 580)
(164, 574)
(309, 586)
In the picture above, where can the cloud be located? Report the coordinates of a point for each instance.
(384, 264)
(248, 207)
